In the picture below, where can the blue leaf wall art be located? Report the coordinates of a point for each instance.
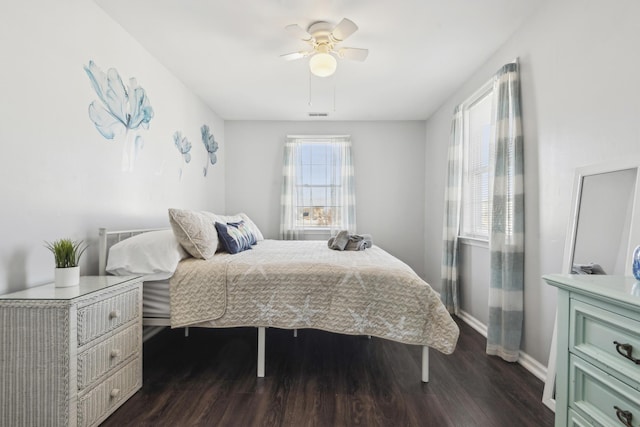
(120, 112)
(184, 147)
(211, 145)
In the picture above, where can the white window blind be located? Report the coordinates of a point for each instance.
(477, 116)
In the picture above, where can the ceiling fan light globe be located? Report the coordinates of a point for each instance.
(323, 64)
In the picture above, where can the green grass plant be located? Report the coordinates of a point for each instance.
(66, 252)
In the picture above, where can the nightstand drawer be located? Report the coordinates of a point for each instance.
(106, 356)
(99, 402)
(606, 339)
(601, 397)
(105, 315)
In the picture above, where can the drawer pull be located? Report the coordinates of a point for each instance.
(115, 353)
(625, 417)
(627, 348)
(114, 314)
(116, 391)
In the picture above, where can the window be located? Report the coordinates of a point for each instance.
(476, 117)
(318, 186)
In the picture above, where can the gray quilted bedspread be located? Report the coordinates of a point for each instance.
(304, 284)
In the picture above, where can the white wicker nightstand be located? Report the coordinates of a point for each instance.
(70, 356)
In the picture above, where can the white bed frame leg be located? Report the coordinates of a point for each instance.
(186, 332)
(425, 364)
(261, 335)
(295, 333)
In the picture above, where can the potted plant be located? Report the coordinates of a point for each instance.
(66, 253)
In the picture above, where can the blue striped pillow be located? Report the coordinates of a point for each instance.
(235, 236)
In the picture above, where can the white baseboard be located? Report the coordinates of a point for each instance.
(480, 327)
(527, 362)
(533, 366)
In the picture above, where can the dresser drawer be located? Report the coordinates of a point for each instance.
(98, 403)
(575, 420)
(593, 334)
(108, 355)
(601, 397)
(107, 314)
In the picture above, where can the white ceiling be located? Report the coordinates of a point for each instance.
(227, 52)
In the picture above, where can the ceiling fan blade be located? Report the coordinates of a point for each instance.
(296, 55)
(353, 53)
(296, 31)
(344, 29)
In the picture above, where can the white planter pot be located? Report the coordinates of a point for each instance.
(65, 277)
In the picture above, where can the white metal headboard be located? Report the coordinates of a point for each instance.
(106, 239)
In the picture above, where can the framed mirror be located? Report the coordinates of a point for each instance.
(602, 233)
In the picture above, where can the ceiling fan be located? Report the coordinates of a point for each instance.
(323, 41)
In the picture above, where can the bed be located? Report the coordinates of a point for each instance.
(296, 285)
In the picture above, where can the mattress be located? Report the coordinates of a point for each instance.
(155, 299)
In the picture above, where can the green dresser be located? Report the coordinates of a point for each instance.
(598, 358)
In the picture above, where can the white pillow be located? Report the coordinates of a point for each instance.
(154, 255)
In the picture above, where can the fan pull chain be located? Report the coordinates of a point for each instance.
(334, 92)
(310, 103)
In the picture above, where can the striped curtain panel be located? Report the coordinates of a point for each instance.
(450, 291)
(289, 196)
(346, 193)
(506, 241)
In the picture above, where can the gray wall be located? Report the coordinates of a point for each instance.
(474, 281)
(389, 167)
(580, 106)
(58, 176)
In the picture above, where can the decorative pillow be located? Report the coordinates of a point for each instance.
(247, 232)
(252, 226)
(247, 221)
(235, 236)
(195, 231)
(154, 255)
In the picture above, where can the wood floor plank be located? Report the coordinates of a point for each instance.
(325, 379)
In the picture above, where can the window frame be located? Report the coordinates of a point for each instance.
(475, 238)
(331, 185)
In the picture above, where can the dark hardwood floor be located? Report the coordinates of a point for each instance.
(324, 379)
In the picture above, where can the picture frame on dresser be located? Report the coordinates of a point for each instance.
(600, 231)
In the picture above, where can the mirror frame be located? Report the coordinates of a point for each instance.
(548, 395)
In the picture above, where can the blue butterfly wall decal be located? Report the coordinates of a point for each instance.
(184, 147)
(211, 145)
